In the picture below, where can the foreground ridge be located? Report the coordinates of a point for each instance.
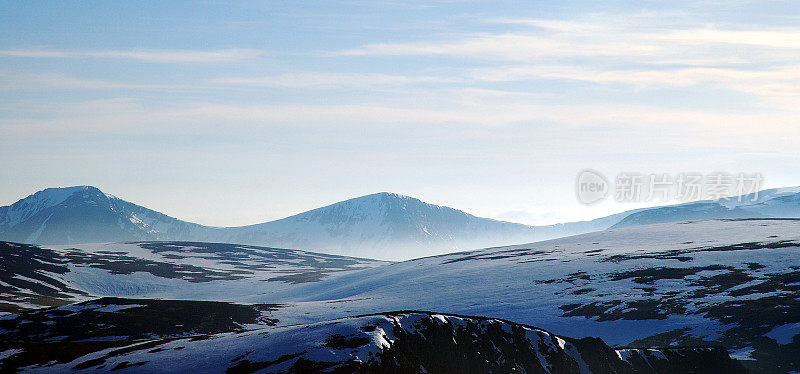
(392, 342)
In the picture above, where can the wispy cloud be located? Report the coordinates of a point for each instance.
(785, 38)
(332, 80)
(101, 115)
(647, 51)
(508, 46)
(632, 42)
(67, 82)
(768, 81)
(160, 56)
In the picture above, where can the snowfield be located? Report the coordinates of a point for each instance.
(730, 283)
(34, 276)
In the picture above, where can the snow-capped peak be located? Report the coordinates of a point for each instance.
(33, 204)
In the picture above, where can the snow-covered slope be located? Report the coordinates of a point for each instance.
(733, 283)
(772, 203)
(32, 276)
(383, 225)
(729, 282)
(84, 214)
(399, 342)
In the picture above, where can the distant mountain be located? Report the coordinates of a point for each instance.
(382, 225)
(84, 214)
(772, 203)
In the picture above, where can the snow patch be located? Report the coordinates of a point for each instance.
(785, 333)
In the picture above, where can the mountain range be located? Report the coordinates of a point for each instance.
(383, 225)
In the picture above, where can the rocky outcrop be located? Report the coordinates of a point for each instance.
(397, 342)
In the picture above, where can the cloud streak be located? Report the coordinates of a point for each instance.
(767, 82)
(67, 82)
(154, 56)
(332, 80)
(634, 41)
(640, 51)
(124, 115)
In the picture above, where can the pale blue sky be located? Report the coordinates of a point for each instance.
(234, 114)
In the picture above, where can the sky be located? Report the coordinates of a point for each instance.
(231, 114)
